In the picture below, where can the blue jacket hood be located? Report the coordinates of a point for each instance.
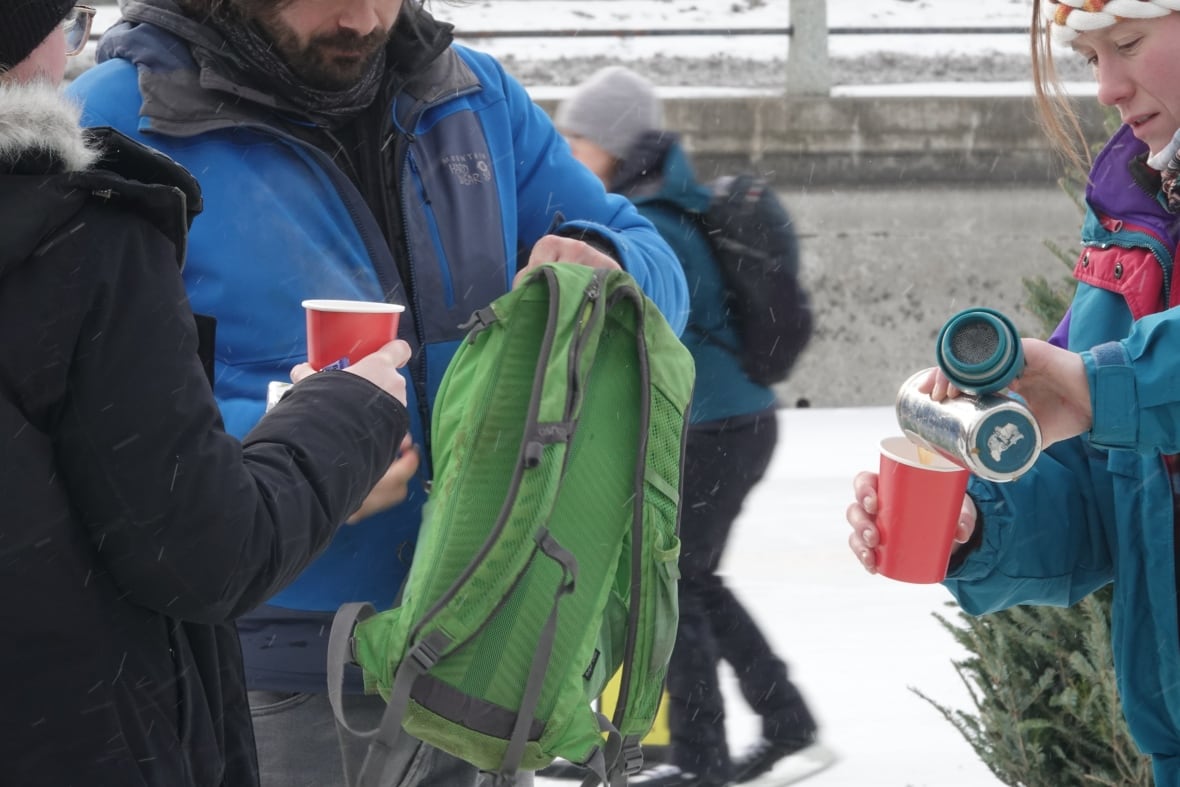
(658, 170)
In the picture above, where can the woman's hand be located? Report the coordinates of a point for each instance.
(862, 516)
(381, 369)
(1053, 385)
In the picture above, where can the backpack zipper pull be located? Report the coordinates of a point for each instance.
(480, 320)
(594, 288)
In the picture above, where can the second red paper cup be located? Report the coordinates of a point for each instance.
(919, 499)
(340, 333)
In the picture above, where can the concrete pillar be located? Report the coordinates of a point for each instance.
(807, 51)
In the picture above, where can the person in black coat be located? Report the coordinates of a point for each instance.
(134, 529)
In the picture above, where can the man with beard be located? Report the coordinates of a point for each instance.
(348, 149)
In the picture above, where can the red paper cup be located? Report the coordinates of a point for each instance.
(919, 500)
(340, 333)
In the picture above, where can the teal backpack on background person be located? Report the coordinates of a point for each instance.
(547, 558)
(757, 251)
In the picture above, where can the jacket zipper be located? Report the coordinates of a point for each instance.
(401, 164)
(432, 224)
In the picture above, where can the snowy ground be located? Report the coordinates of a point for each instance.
(743, 60)
(856, 644)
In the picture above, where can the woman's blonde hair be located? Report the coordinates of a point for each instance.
(1055, 109)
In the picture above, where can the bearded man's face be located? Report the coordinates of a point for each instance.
(330, 43)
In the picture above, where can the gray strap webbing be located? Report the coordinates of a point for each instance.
(630, 761)
(514, 752)
(381, 766)
(340, 653)
(630, 757)
(597, 768)
(601, 765)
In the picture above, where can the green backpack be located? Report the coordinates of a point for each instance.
(547, 557)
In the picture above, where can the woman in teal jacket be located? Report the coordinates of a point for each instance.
(1099, 506)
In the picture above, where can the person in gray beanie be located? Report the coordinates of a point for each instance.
(615, 126)
(612, 109)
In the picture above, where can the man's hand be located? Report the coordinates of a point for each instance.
(554, 248)
(393, 486)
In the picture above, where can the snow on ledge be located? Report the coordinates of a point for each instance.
(912, 89)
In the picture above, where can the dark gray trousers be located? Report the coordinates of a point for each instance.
(723, 462)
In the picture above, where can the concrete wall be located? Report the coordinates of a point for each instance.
(887, 267)
(883, 140)
(909, 209)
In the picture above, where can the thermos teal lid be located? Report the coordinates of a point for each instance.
(979, 351)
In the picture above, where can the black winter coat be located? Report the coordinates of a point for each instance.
(133, 528)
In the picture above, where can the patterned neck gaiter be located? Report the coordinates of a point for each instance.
(1167, 162)
(1171, 183)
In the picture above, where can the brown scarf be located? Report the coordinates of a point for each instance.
(253, 54)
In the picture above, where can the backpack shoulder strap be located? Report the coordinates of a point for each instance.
(575, 319)
(340, 653)
(666, 372)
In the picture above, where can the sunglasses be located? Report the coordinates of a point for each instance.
(76, 26)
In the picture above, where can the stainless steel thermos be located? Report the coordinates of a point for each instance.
(985, 430)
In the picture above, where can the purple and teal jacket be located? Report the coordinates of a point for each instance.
(1098, 509)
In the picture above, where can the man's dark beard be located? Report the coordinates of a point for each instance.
(317, 62)
(266, 56)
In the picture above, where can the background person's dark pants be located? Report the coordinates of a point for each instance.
(723, 462)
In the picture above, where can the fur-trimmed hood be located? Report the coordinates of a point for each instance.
(39, 128)
(50, 169)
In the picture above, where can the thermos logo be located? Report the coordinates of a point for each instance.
(1002, 438)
